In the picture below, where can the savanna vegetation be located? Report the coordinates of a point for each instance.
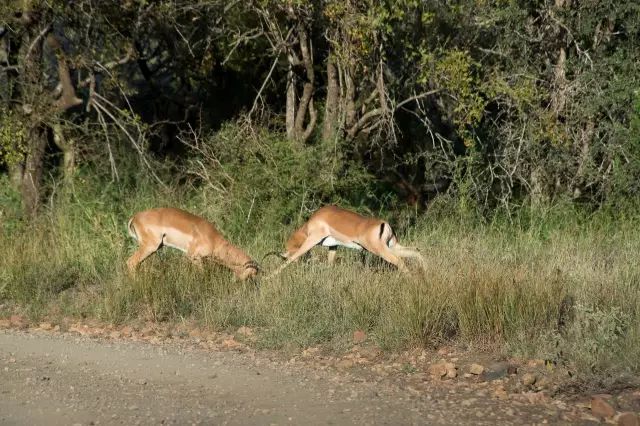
(500, 137)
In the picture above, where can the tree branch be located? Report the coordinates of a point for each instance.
(68, 98)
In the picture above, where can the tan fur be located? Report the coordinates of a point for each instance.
(192, 234)
(349, 228)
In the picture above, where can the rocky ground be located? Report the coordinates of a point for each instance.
(87, 373)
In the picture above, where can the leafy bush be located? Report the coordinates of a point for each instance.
(251, 179)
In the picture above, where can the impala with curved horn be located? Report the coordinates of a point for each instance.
(191, 234)
(332, 226)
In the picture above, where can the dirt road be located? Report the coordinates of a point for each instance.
(65, 380)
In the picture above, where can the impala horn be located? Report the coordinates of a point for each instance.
(274, 253)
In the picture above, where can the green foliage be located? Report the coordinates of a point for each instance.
(530, 114)
(253, 179)
(597, 338)
(504, 285)
(13, 136)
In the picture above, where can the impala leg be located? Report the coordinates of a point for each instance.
(331, 257)
(410, 253)
(196, 261)
(141, 254)
(304, 248)
(392, 258)
(389, 256)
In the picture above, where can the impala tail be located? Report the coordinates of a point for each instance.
(132, 230)
(388, 236)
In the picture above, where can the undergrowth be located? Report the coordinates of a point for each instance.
(568, 293)
(555, 283)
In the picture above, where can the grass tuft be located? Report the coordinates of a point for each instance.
(570, 294)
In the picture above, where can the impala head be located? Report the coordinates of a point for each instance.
(294, 242)
(249, 270)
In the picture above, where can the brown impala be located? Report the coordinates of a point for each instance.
(331, 226)
(189, 233)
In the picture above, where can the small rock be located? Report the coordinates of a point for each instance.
(344, 364)
(601, 408)
(310, 352)
(468, 402)
(529, 379)
(148, 331)
(17, 321)
(536, 397)
(501, 394)
(589, 417)
(45, 326)
(231, 343)
(627, 419)
(369, 352)
(245, 331)
(542, 383)
(452, 371)
(499, 370)
(438, 370)
(476, 369)
(535, 362)
(359, 336)
(442, 369)
(195, 333)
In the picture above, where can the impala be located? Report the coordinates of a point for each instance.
(188, 233)
(331, 226)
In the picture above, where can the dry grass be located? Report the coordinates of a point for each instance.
(565, 293)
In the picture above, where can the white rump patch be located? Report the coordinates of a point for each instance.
(164, 243)
(332, 242)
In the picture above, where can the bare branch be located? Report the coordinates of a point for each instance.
(36, 40)
(68, 98)
(364, 121)
(415, 98)
(264, 84)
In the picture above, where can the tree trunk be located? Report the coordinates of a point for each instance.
(330, 125)
(559, 96)
(68, 154)
(304, 128)
(16, 170)
(31, 179)
(291, 101)
(537, 195)
(350, 100)
(299, 129)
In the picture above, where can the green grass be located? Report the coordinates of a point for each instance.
(568, 292)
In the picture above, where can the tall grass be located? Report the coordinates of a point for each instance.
(556, 288)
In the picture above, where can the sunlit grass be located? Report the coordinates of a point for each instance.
(570, 293)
